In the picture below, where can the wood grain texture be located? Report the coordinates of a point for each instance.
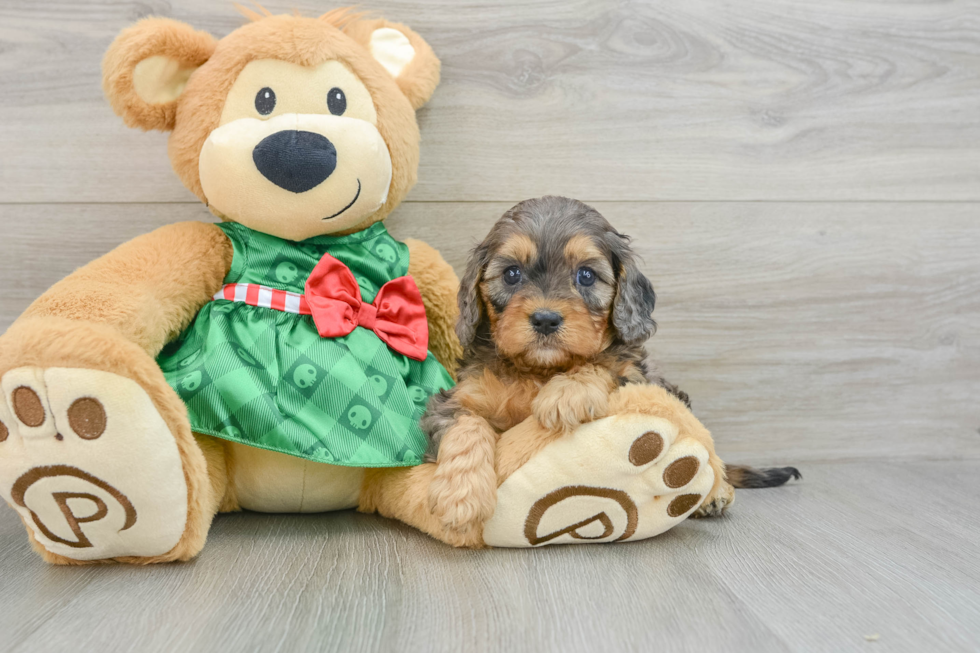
(806, 329)
(597, 99)
(801, 331)
(853, 550)
(810, 327)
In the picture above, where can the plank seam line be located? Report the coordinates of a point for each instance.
(513, 201)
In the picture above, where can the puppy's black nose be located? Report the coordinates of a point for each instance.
(295, 160)
(546, 322)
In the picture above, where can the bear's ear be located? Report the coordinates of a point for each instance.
(147, 66)
(401, 52)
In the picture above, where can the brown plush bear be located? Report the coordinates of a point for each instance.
(279, 361)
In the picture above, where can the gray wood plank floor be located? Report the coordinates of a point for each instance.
(856, 550)
(802, 180)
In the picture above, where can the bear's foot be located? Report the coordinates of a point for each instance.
(622, 478)
(90, 465)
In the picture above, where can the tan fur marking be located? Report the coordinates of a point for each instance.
(3, 432)
(580, 248)
(510, 329)
(582, 335)
(502, 403)
(519, 247)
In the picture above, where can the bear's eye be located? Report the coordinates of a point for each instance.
(512, 275)
(336, 101)
(265, 101)
(586, 276)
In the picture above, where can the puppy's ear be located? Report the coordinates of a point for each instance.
(147, 67)
(403, 53)
(632, 312)
(471, 309)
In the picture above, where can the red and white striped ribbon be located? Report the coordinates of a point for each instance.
(255, 295)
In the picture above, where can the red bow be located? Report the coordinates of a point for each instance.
(397, 314)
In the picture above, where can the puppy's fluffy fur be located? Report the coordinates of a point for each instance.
(553, 316)
(552, 257)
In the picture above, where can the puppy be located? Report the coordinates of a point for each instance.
(553, 316)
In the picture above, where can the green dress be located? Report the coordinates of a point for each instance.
(265, 378)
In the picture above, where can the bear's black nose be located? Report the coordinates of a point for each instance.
(546, 322)
(295, 160)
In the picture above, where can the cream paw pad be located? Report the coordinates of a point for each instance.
(617, 479)
(89, 464)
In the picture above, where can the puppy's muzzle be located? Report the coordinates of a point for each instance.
(294, 160)
(546, 322)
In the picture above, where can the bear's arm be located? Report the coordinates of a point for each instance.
(438, 284)
(148, 289)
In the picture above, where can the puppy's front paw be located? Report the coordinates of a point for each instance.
(462, 503)
(566, 402)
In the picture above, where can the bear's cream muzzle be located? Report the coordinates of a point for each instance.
(296, 175)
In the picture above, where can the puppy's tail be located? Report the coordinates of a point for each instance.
(742, 476)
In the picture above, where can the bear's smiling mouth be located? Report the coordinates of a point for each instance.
(349, 205)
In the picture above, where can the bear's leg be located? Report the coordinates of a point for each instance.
(403, 494)
(629, 476)
(651, 401)
(632, 475)
(96, 453)
(222, 497)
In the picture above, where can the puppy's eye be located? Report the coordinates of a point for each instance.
(512, 275)
(585, 276)
(336, 101)
(265, 101)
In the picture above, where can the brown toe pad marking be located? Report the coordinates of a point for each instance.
(680, 472)
(682, 504)
(87, 418)
(3, 432)
(27, 406)
(646, 448)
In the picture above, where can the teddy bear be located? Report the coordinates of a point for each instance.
(279, 360)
